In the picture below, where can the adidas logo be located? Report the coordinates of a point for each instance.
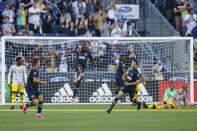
(143, 94)
(102, 94)
(63, 95)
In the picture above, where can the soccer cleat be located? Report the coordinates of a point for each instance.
(74, 100)
(24, 109)
(138, 105)
(39, 116)
(12, 107)
(145, 105)
(108, 111)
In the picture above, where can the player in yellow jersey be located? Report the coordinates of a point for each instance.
(178, 97)
(17, 78)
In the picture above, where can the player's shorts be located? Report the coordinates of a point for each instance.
(130, 90)
(33, 93)
(119, 82)
(137, 88)
(79, 69)
(170, 103)
(18, 88)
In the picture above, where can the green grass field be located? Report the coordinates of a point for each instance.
(94, 118)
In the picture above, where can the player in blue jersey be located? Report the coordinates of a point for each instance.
(31, 88)
(82, 56)
(131, 81)
(119, 73)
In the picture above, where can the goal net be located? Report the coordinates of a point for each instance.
(161, 61)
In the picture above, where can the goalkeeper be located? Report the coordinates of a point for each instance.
(17, 79)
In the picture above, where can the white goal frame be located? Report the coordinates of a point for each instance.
(4, 38)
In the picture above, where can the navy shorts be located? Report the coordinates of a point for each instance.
(130, 90)
(33, 93)
(119, 82)
(79, 69)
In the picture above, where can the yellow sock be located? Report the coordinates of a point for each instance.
(136, 96)
(21, 98)
(150, 106)
(13, 98)
(161, 107)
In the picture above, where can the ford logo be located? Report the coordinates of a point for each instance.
(125, 9)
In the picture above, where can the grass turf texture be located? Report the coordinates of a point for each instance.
(94, 118)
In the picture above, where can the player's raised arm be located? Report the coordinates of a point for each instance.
(38, 81)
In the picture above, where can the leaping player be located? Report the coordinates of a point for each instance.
(81, 59)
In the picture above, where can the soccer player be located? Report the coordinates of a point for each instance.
(33, 93)
(167, 96)
(81, 59)
(176, 100)
(131, 81)
(17, 79)
(138, 87)
(119, 73)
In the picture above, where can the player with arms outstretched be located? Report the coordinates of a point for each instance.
(131, 81)
(33, 93)
(17, 79)
(81, 59)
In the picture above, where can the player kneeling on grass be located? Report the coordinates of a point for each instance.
(34, 95)
(16, 80)
(131, 80)
(178, 97)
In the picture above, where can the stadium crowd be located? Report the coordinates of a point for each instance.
(182, 15)
(62, 18)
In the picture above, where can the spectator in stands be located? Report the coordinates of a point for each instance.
(21, 17)
(116, 32)
(9, 13)
(97, 49)
(2, 7)
(111, 12)
(130, 56)
(113, 56)
(63, 67)
(70, 28)
(190, 20)
(187, 5)
(8, 28)
(169, 10)
(55, 11)
(178, 8)
(23, 31)
(47, 21)
(98, 21)
(89, 8)
(52, 60)
(127, 27)
(158, 71)
(34, 19)
(65, 15)
(105, 29)
(40, 5)
(31, 33)
(79, 9)
(91, 25)
(82, 29)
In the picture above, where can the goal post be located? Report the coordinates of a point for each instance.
(98, 86)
